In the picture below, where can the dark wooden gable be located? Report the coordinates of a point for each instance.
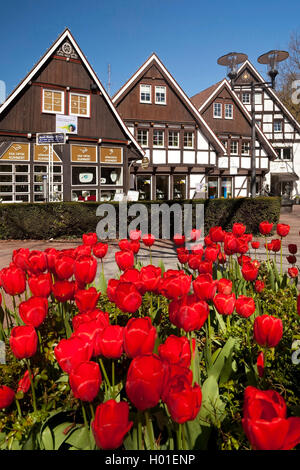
(175, 110)
(63, 69)
(246, 76)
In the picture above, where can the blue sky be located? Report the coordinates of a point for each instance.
(187, 35)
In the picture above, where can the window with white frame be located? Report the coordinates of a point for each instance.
(145, 93)
(142, 137)
(158, 138)
(79, 105)
(53, 101)
(188, 140)
(234, 147)
(277, 125)
(173, 139)
(41, 183)
(160, 95)
(228, 111)
(284, 153)
(245, 148)
(14, 182)
(246, 98)
(217, 110)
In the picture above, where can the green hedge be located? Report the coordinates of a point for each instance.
(72, 219)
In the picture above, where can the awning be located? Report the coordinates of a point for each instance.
(287, 176)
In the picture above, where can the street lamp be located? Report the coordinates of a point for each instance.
(231, 61)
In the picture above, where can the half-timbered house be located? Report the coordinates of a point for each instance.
(181, 146)
(62, 93)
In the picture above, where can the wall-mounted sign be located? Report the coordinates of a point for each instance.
(16, 152)
(83, 153)
(51, 138)
(111, 155)
(41, 154)
(66, 124)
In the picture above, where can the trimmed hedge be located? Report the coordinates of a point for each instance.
(72, 219)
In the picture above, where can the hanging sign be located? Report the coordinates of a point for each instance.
(16, 152)
(112, 155)
(83, 153)
(51, 138)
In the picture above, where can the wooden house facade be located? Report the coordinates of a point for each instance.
(62, 93)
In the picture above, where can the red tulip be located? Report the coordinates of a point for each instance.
(211, 253)
(291, 259)
(100, 250)
(133, 275)
(224, 286)
(96, 319)
(293, 272)
(7, 396)
(204, 287)
(230, 244)
(89, 239)
(51, 254)
(64, 266)
(292, 248)
(260, 364)
(224, 303)
(276, 245)
(182, 255)
(217, 234)
(267, 330)
(183, 401)
(242, 246)
(111, 424)
(135, 246)
(111, 289)
(145, 380)
(265, 423)
(36, 262)
(245, 306)
(282, 230)
(63, 290)
(127, 297)
(197, 249)
(13, 280)
(135, 234)
(81, 250)
(139, 336)
(238, 229)
(221, 258)
(23, 341)
(148, 239)
(244, 259)
(33, 311)
(86, 299)
(259, 286)
(194, 261)
(124, 259)
(20, 258)
(255, 245)
(205, 267)
(124, 244)
(41, 285)
(175, 284)
(265, 227)
(71, 352)
(85, 268)
(24, 383)
(150, 277)
(179, 239)
(176, 350)
(85, 380)
(109, 342)
(249, 271)
(188, 313)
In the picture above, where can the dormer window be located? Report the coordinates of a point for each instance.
(145, 93)
(160, 95)
(218, 110)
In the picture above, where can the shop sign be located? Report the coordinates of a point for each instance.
(113, 155)
(83, 153)
(51, 138)
(16, 152)
(41, 154)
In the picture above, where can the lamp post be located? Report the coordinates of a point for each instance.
(231, 61)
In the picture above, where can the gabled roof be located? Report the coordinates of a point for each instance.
(153, 59)
(66, 34)
(203, 95)
(214, 90)
(269, 90)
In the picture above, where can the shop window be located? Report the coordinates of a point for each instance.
(179, 187)
(84, 175)
(226, 187)
(84, 195)
(79, 105)
(111, 176)
(53, 101)
(11, 178)
(162, 187)
(212, 185)
(109, 194)
(143, 186)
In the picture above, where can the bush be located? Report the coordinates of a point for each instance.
(72, 219)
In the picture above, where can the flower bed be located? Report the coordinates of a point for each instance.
(198, 357)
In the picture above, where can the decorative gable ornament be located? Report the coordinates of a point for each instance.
(67, 50)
